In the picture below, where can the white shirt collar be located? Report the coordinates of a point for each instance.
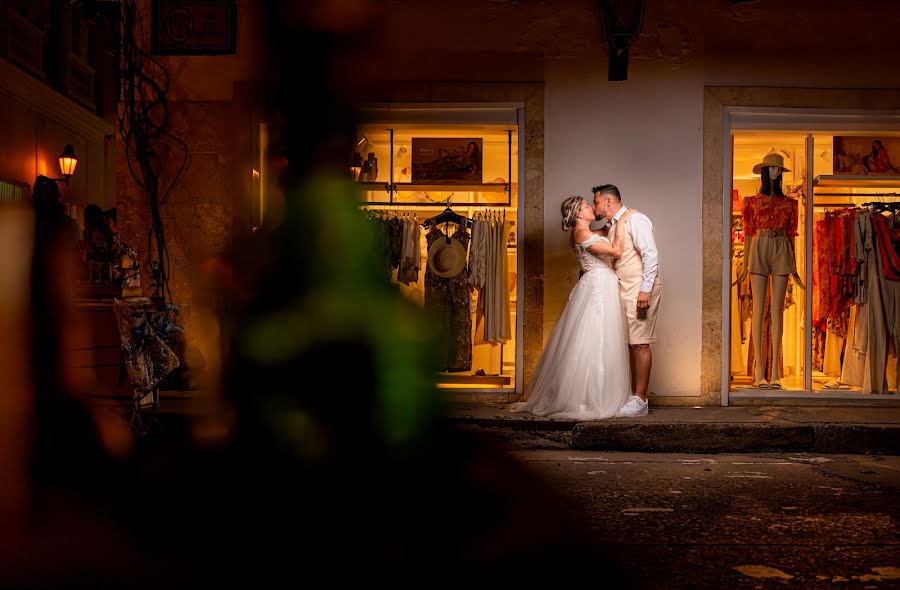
(620, 213)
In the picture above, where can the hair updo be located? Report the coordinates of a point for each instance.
(569, 210)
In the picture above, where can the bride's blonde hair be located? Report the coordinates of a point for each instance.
(569, 210)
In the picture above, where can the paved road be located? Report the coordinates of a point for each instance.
(753, 521)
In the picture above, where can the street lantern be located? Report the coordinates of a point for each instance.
(622, 21)
(67, 163)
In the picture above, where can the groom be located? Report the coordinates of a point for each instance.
(639, 288)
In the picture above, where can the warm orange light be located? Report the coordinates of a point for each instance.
(68, 161)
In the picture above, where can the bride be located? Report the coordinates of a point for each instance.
(583, 374)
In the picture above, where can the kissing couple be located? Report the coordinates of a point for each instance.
(597, 362)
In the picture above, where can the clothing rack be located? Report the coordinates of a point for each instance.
(448, 215)
(402, 212)
(857, 195)
(885, 205)
(891, 206)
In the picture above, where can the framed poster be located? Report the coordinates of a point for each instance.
(865, 155)
(447, 160)
(193, 27)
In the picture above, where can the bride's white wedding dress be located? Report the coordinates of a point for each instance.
(583, 373)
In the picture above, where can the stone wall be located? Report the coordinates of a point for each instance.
(198, 214)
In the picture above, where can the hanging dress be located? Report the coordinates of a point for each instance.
(449, 300)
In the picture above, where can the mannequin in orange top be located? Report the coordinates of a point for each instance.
(770, 225)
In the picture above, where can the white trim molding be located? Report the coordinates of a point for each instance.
(35, 94)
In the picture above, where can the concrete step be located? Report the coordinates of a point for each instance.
(698, 430)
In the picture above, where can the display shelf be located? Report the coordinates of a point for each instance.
(853, 181)
(392, 188)
(483, 187)
(464, 379)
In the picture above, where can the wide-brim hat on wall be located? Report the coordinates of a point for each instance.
(771, 159)
(446, 257)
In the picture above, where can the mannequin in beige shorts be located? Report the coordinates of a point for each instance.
(770, 225)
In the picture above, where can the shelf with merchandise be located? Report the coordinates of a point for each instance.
(398, 183)
(483, 187)
(854, 181)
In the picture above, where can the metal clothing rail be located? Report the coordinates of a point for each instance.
(399, 205)
(856, 195)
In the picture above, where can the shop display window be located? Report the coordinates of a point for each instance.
(838, 328)
(412, 174)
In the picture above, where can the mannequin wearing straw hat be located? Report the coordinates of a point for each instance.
(770, 225)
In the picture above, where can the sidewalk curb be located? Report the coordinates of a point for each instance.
(739, 436)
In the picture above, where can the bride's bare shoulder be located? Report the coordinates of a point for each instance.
(580, 235)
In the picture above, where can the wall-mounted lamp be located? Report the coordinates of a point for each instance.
(622, 21)
(67, 163)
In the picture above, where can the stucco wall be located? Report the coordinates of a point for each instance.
(644, 137)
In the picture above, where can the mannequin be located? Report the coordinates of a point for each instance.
(770, 225)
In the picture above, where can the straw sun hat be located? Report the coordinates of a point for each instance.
(446, 257)
(771, 159)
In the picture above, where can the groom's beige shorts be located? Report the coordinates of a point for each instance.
(642, 327)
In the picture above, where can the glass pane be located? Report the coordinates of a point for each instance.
(489, 190)
(752, 298)
(849, 183)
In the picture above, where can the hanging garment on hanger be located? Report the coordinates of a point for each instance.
(395, 229)
(890, 260)
(478, 254)
(737, 329)
(380, 236)
(834, 345)
(876, 344)
(485, 312)
(449, 300)
(410, 259)
(853, 369)
(890, 291)
(744, 296)
(503, 331)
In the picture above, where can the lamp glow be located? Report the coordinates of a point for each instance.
(67, 162)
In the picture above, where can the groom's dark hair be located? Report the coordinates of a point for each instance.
(608, 189)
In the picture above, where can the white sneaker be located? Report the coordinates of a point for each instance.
(635, 407)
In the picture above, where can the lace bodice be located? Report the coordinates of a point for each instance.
(590, 261)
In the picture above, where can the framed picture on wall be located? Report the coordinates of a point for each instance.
(866, 155)
(193, 27)
(447, 160)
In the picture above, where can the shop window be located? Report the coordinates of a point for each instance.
(755, 361)
(11, 192)
(842, 324)
(855, 195)
(409, 175)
